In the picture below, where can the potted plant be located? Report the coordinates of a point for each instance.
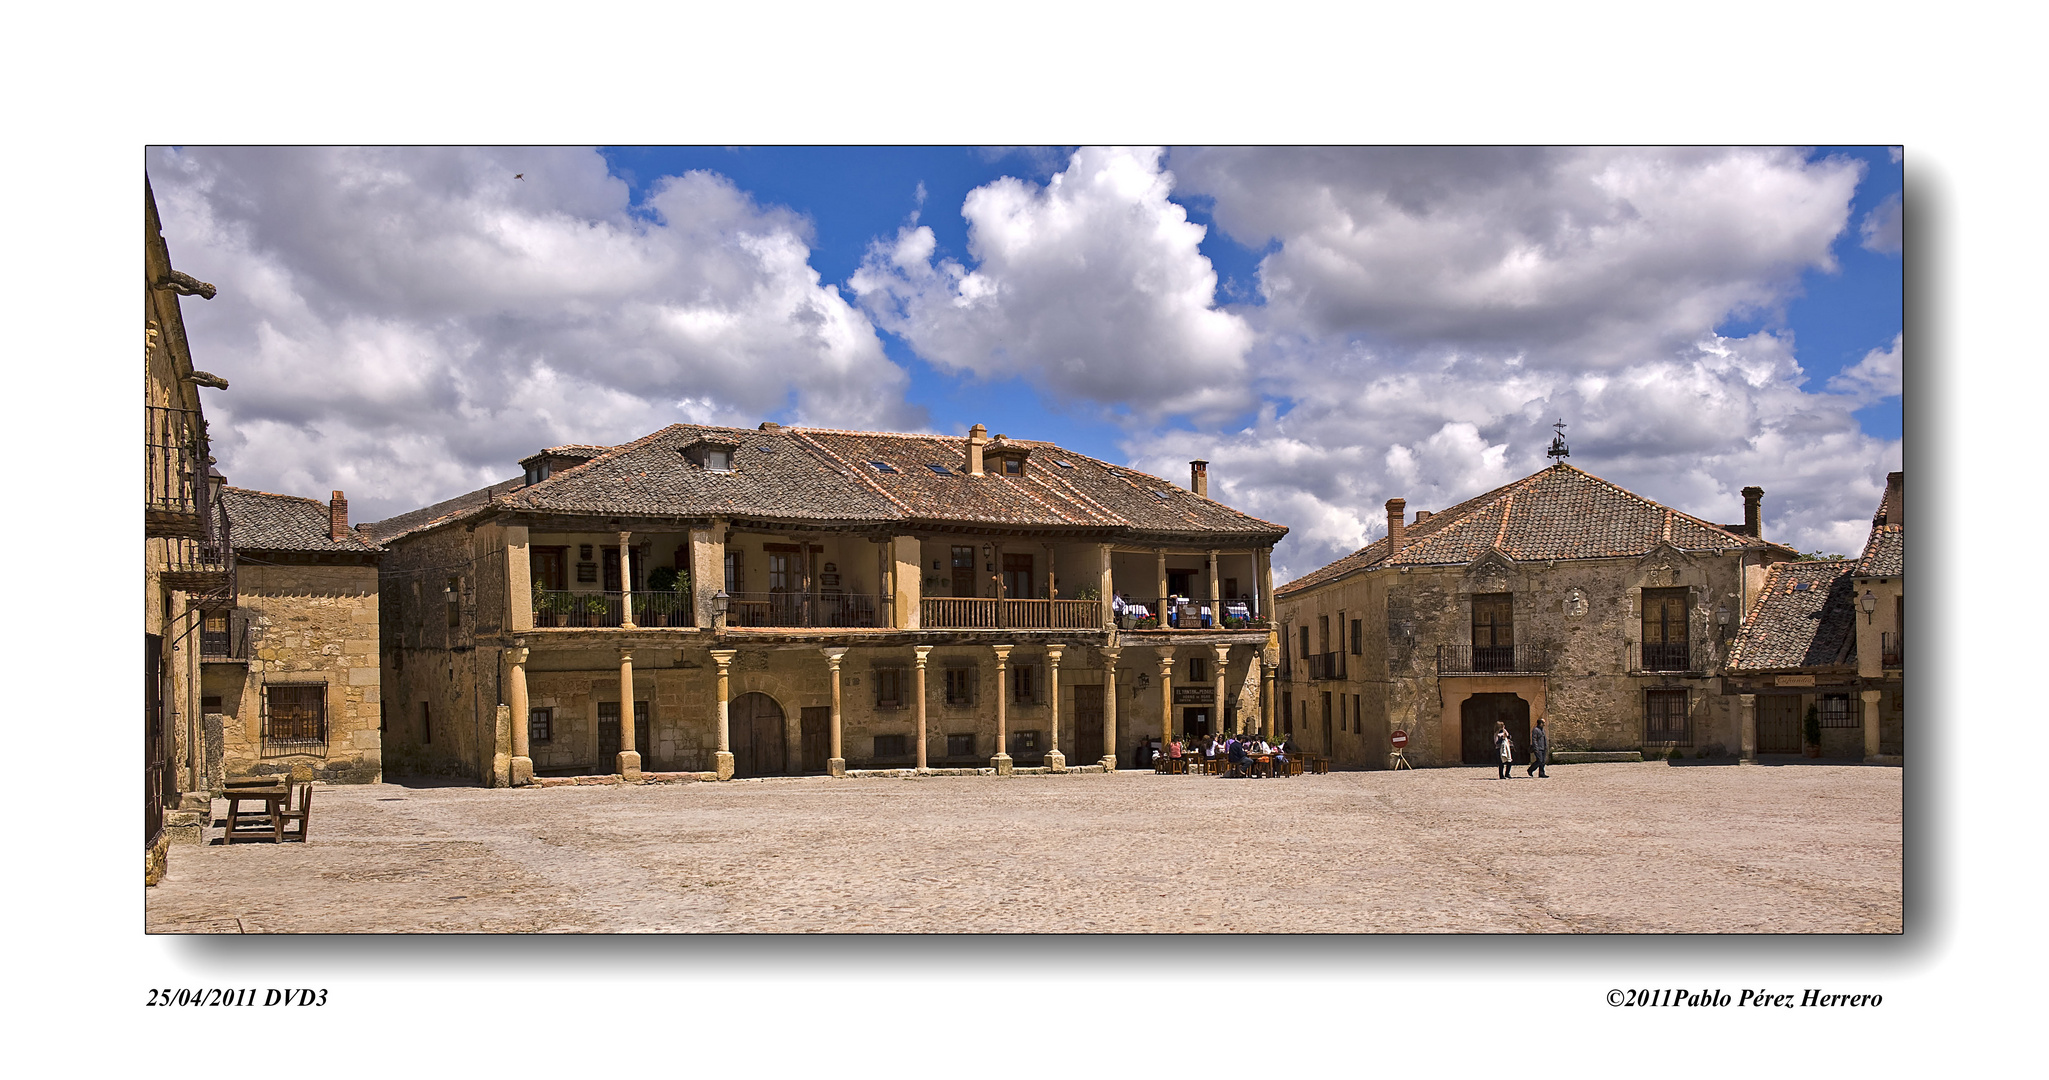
(1810, 729)
(549, 606)
(666, 599)
(1150, 622)
(593, 607)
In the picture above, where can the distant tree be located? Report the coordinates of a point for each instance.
(1819, 555)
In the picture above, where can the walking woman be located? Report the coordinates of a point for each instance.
(1504, 747)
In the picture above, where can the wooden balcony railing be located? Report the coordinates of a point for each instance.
(984, 613)
(1492, 660)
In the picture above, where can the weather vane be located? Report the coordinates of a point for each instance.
(1559, 451)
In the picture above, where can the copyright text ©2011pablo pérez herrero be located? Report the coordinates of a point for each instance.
(1680, 997)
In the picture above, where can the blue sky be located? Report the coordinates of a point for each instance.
(1330, 327)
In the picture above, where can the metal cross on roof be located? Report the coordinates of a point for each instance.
(1559, 451)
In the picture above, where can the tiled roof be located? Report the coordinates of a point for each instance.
(1560, 513)
(427, 516)
(1805, 616)
(1885, 554)
(261, 521)
(828, 476)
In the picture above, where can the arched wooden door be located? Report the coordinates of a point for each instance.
(755, 723)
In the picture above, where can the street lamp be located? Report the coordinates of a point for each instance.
(1869, 603)
(719, 602)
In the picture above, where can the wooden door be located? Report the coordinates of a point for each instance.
(755, 725)
(1778, 723)
(1664, 630)
(1478, 715)
(815, 724)
(1328, 744)
(1088, 724)
(964, 579)
(1494, 632)
(551, 567)
(608, 735)
(1017, 577)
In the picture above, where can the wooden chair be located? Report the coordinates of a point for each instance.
(302, 812)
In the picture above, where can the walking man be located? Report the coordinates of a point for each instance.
(1540, 751)
(1504, 747)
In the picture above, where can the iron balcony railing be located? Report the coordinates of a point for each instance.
(204, 566)
(1892, 649)
(1182, 613)
(175, 468)
(1672, 657)
(565, 608)
(224, 639)
(1493, 660)
(1329, 665)
(988, 613)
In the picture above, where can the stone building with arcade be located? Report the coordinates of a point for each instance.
(1560, 596)
(781, 600)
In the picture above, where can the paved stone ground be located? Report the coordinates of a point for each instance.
(1631, 848)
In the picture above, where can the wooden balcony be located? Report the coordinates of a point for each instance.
(985, 613)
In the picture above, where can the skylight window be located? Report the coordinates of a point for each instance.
(940, 469)
(1065, 464)
(1160, 495)
(882, 466)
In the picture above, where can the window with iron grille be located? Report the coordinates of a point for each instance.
(1835, 712)
(294, 718)
(540, 725)
(960, 686)
(889, 688)
(960, 745)
(1664, 718)
(892, 746)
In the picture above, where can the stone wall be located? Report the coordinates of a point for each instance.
(1584, 612)
(307, 624)
(435, 716)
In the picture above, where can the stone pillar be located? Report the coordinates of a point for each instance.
(1264, 571)
(1871, 722)
(1166, 696)
(1106, 586)
(1266, 702)
(522, 765)
(519, 580)
(1216, 609)
(1160, 566)
(629, 755)
(1223, 662)
(179, 644)
(1109, 761)
(1001, 762)
(836, 765)
(625, 598)
(501, 747)
(908, 582)
(724, 758)
(707, 571)
(918, 688)
(1746, 726)
(1055, 760)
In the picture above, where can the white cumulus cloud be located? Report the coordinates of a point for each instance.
(407, 323)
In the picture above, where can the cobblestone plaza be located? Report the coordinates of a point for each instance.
(1616, 848)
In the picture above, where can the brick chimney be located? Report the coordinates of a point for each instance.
(337, 516)
(978, 437)
(1397, 533)
(1198, 477)
(1753, 514)
(1896, 498)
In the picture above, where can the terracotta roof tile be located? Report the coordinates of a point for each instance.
(1562, 512)
(1805, 616)
(261, 521)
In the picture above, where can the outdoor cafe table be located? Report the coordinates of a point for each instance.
(273, 800)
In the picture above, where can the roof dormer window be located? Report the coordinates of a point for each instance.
(1013, 466)
(718, 461)
(710, 456)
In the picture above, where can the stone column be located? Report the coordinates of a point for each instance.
(1109, 761)
(1746, 725)
(1223, 662)
(1001, 762)
(1266, 701)
(724, 758)
(629, 755)
(907, 582)
(1106, 586)
(178, 643)
(1166, 696)
(515, 693)
(707, 571)
(519, 580)
(625, 609)
(1264, 591)
(1216, 607)
(918, 688)
(1160, 565)
(1871, 722)
(501, 747)
(1055, 760)
(836, 765)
